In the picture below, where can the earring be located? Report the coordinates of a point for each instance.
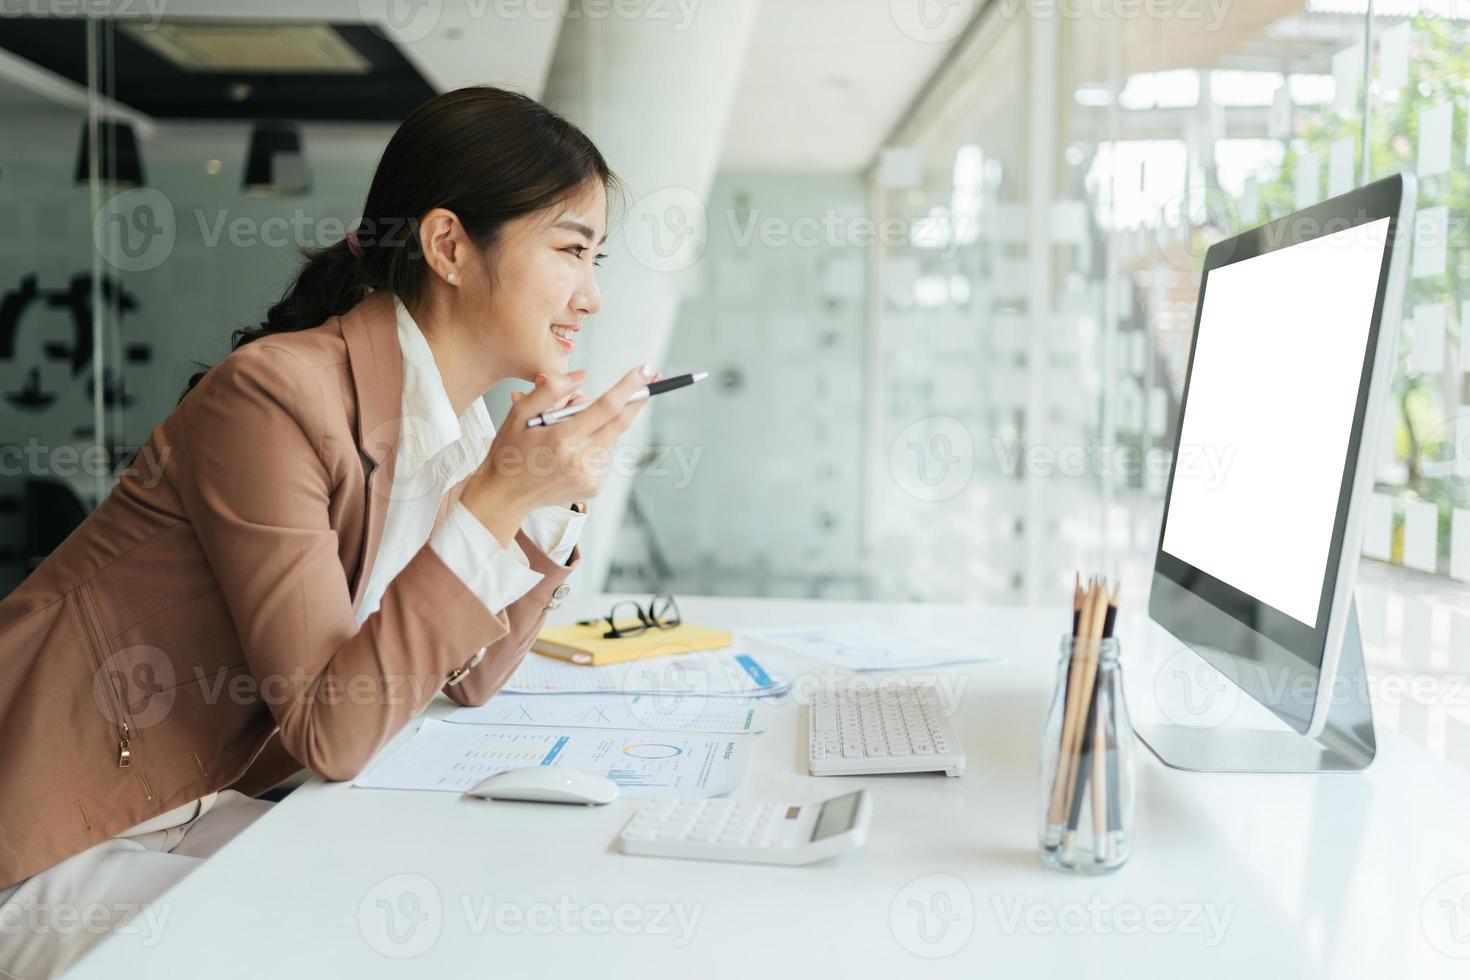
(451, 277)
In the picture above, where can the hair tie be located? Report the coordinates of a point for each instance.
(353, 245)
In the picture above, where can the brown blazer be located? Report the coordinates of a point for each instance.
(158, 653)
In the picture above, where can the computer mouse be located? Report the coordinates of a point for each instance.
(547, 784)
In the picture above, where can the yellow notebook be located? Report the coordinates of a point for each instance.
(586, 645)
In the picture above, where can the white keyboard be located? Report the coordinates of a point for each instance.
(748, 830)
(852, 733)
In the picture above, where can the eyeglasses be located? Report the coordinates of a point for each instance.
(662, 613)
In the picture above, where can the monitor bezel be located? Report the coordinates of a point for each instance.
(1257, 633)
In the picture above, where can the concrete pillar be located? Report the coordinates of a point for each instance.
(652, 83)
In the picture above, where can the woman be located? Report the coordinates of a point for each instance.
(338, 532)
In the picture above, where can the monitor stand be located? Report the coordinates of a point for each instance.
(1347, 742)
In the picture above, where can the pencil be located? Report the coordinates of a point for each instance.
(1053, 835)
(1089, 746)
(1076, 602)
(1114, 824)
(1104, 790)
(1057, 809)
(1094, 613)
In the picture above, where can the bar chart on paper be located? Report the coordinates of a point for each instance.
(454, 758)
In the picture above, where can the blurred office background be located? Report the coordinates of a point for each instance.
(940, 259)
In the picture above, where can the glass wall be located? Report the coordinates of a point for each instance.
(127, 267)
(1033, 337)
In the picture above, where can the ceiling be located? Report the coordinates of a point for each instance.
(449, 43)
(825, 82)
(213, 69)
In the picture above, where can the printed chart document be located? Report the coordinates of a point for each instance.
(454, 758)
(712, 673)
(865, 645)
(663, 712)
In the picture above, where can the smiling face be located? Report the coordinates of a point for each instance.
(544, 284)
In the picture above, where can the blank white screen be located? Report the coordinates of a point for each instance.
(1277, 361)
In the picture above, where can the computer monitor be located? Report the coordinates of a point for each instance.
(1292, 357)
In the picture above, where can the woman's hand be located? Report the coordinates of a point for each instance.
(529, 467)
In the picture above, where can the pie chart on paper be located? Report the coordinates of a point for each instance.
(652, 750)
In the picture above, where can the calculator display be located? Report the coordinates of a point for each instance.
(836, 816)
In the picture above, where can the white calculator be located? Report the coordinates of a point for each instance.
(901, 729)
(749, 830)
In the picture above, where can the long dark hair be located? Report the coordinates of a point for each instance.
(487, 154)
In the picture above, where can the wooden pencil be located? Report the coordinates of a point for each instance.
(1057, 809)
(1094, 614)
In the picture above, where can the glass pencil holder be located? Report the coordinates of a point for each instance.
(1087, 762)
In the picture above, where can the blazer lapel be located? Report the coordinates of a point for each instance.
(370, 331)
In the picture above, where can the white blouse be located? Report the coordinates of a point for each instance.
(436, 451)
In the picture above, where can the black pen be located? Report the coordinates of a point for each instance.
(648, 391)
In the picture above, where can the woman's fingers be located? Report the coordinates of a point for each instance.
(550, 391)
(620, 422)
(571, 399)
(612, 401)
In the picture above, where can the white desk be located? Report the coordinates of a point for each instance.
(1312, 876)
